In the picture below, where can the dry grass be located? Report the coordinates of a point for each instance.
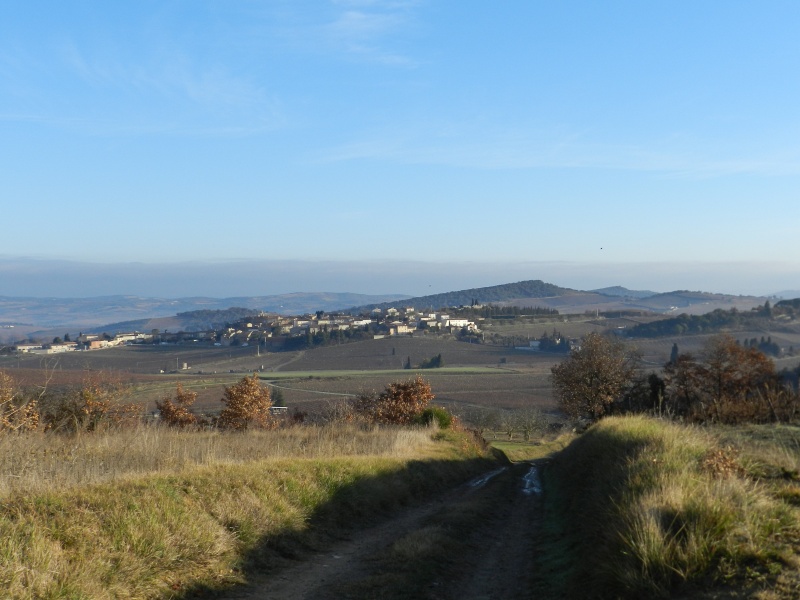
(652, 506)
(41, 462)
(158, 514)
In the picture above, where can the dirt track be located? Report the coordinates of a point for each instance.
(497, 562)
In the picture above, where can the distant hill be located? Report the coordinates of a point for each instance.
(485, 295)
(618, 290)
(195, 320)
(788, 294)
(47, 317)
(565, 300)
(102, 310)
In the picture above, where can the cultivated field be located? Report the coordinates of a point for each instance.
(311, 380)
(474, 374)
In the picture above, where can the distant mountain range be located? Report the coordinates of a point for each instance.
(45, 316)
(102, 310)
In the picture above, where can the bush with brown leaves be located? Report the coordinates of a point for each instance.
(247, 404)
(18, 411)
(399, 404)
(176, 412)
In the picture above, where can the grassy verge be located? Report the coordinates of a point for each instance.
(517, 451)
(203, 527)
(642, 508)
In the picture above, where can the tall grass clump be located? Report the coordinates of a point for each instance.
(648, 506)
(43, 461)
(160, 513)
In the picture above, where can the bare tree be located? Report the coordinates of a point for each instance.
(529, 421)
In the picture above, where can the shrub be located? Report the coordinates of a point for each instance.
(399, 404)
(434, 362)
(95, 404)
(439, 414)
(247, 403)
(176, 413)
(18, 411)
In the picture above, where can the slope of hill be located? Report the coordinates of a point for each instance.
(684, 301)
(492, 294)
(618, 290)
(787, 294)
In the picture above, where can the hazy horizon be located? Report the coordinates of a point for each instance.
(398, 146)
(22, 277)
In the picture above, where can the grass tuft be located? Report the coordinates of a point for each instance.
(205, 514)
(649, 506)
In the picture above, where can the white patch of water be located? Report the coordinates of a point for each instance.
(531, 482)
(484, 479)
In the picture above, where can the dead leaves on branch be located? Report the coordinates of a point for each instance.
(247, 405)
(399, 404)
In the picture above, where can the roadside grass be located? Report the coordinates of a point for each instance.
(643, 508)
(44, 462)
(202, 522)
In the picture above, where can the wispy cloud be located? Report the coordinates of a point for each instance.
(182, 96)
(366, 29)
(466, 146)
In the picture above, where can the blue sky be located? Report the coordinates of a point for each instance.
(636, 143)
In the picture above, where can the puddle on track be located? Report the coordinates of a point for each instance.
(482, 480)
(531, 482)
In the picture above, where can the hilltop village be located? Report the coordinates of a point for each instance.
(276, 332)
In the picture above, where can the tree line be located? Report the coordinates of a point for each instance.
(726, 383)
(715, 321)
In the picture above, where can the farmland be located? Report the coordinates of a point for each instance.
(474, 375)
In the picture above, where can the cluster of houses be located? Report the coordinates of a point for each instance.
(89, 341)
(404, 321)
(273, 330)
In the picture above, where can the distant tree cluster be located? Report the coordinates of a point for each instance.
(727, 383)
(791, 308)
(556, 342)
(765, 345)
(432, 363)
(716, 321)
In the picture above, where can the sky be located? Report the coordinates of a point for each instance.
(390, 146)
